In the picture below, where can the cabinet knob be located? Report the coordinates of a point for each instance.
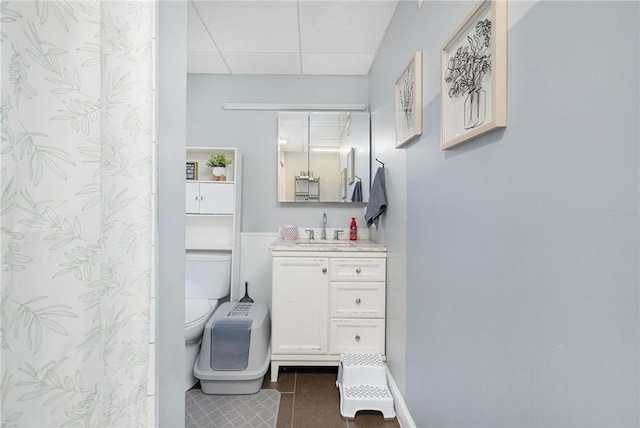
(358, 301)
(357, 338)
(358, 270)
(324, 270)
(195, 198)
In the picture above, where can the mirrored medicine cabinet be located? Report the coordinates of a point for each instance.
(323, 157)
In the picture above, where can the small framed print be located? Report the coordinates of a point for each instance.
(408, 102)
(192, 170)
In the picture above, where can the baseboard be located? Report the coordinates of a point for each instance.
(402, 412)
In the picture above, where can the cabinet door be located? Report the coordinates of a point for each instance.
(300, 305)
(192, 205)
(216, 198)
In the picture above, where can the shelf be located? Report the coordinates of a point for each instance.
(209, 248)
(200, 155)
(210, 181)
(309, 179)
(306, 188)
(208, 214)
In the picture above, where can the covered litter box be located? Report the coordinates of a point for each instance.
(235, 352)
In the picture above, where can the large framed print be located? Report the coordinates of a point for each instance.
(408, 102)
(474, 75)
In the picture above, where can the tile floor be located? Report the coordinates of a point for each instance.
(309, 399)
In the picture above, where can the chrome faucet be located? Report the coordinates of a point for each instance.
(324, 226)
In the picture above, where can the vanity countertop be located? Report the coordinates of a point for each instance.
(326, 246)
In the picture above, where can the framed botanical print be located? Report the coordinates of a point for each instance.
(408, 102)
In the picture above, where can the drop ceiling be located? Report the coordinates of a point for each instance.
(299, 37)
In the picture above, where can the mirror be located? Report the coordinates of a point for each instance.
(323, 157)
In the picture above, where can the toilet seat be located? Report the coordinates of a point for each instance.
(196, 311)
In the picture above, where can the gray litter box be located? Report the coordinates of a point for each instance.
(235, 352)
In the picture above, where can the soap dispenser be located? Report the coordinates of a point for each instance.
(353, 230)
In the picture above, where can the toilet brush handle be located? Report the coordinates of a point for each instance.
(246, 297)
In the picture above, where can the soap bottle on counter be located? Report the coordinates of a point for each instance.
(353, 230)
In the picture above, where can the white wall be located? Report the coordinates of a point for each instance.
(522, 246)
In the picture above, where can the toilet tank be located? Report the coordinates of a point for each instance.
(207, 274)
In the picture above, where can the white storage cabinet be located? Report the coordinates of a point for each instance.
(215, 197)
(212, 208)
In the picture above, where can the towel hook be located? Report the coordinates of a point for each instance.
(382, 163)
(359, 179)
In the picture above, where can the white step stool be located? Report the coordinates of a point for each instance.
(362, 379)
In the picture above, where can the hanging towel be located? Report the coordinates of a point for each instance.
(356, 196)
(377, 200)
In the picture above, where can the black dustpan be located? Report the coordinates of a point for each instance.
(246, 298)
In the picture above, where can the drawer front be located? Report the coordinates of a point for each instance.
(357, 299)
(350, 335)
(358, 269)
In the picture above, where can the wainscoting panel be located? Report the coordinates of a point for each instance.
(255, 266)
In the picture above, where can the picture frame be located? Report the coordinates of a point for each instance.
(192, 170)
(350, 166)
(473, 75)
(408, 102)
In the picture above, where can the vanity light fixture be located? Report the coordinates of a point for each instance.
(294, 107)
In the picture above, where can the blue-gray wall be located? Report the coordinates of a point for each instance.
(255, 134)
(522, 246)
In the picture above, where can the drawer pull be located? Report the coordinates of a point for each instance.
(358, 301)
(357, 338)
(358, 270)
(324, 270)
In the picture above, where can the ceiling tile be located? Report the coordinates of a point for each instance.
(252, 26)
(344, 26)
(260, 63)
(337, 64)
(206, 62)
(197, 37)
(338, 37)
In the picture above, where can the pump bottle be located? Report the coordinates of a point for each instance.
(353, 230)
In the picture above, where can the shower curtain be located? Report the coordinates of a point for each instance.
(77, 213)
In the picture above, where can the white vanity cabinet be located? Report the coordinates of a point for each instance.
(213, 197)
(325, 303)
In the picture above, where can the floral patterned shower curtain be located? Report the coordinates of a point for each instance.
(77, 212)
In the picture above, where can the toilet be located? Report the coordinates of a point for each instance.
(207, 281)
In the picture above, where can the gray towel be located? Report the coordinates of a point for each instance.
(377, 200)
(356, 196)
